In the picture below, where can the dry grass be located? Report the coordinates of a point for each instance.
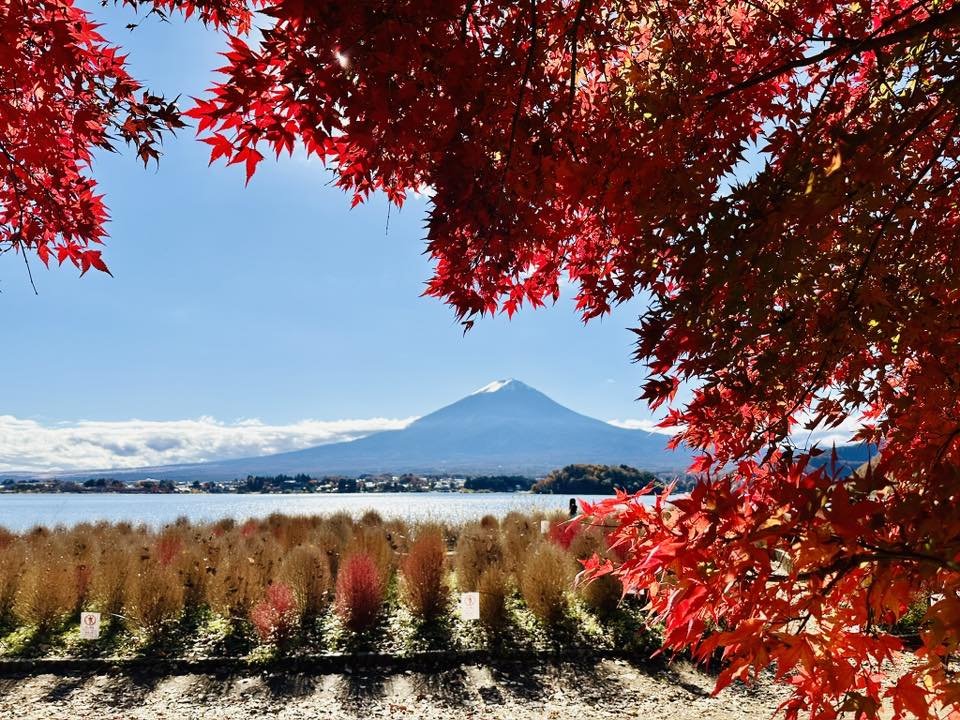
(546, 576)
(478, 548)
(153, 598)
(601, 595)
(519, 533)
(115, 566)
(493, 587)
(46, 594)
(245, 567)
(12, 562)
(306, 571)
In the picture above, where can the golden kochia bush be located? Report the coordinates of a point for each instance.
(12, 562)
(398, 536)
(291, 530)
(115, 567)
(306, 571)
(602, 595)
(493, 586)
(191, 566)
(80, 548)
(544, 580)
(586, 540)
(423, 572)
(478, 548)
(519, 533)
(46, 594)
(153, 597)
(245, 568)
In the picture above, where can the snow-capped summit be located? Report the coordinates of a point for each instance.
(498, 385)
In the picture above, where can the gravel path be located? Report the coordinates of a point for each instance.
(610, 689)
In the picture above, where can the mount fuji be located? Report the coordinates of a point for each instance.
(506, 427)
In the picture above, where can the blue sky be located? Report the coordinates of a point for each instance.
(274, 302)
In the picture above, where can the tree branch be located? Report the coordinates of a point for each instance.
(938, 21)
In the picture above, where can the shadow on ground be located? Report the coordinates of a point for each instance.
(469, 688)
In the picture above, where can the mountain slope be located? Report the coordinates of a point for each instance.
(505, 427)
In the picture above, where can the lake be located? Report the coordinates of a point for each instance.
(20, 512)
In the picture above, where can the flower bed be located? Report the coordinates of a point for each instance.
(291, 587)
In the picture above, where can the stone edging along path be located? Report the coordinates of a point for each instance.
(321, 664)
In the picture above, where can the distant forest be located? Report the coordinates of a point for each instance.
(596, 480)
(498, 483)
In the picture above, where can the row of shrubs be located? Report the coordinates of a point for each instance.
(282, 572)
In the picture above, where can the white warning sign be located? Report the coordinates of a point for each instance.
(470, 605)
(89, 625)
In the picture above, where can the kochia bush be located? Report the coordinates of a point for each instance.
(276, 616)
(359, 592)
(306, 570)
(546, 577)
(424, 575)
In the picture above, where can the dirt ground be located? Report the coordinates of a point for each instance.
(609, 689)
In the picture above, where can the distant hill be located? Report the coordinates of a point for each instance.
(849, 457)
(505, 428)
(595, 480)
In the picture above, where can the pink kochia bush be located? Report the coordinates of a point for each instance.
(359, 592)
(276, 616)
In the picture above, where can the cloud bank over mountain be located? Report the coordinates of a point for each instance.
(33, 446)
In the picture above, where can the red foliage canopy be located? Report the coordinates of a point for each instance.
(779, 177)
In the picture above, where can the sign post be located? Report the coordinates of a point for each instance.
(89, 626)
(470, 606)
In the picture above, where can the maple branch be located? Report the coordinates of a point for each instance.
(14, 161)
(946, 445)
(467, 11)
(887, 554)
(531, 55)
(575, 41)
(875, 242)
(29, 271)
(938, 21)
(843, 565)
(800, 401)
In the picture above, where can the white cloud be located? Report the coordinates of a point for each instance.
(87, 444)
(648, 425)
(825, 438)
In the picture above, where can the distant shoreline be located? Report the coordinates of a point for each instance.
(141, 491)
(576, 479)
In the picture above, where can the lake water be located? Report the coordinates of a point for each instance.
(20, 512)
